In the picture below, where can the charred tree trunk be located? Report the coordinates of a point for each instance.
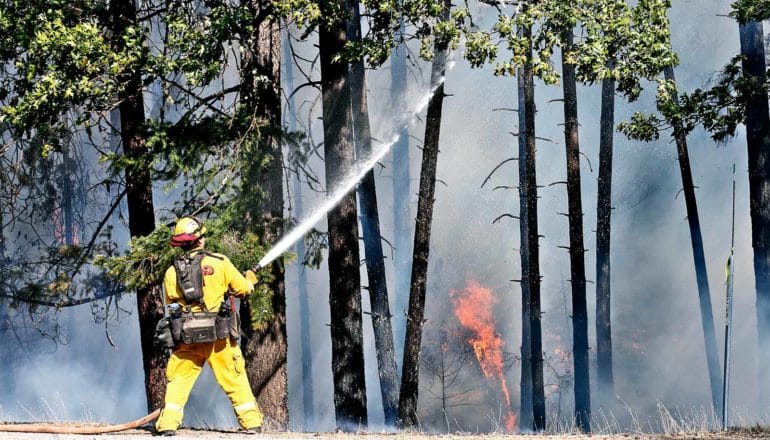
(265, 349)
(402, 213)
(576, 249)
(370, 223)
(758, 140)
(306, 352)
(603, 213)
(141, 213)
(530, 277)
(344, 275)
(701, 274)
(407, 403)
(526, 420)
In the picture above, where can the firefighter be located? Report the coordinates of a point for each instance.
(223, 355)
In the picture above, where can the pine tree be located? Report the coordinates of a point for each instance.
(407, 402)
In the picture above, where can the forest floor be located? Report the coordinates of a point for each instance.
(194, 434)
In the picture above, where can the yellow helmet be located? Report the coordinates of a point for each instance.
(187, 231)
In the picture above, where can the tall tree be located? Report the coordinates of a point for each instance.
(526, 417)
(265, 349)
(605, 380)
(576, 249)
(306, 352)
(141, 213)
(701, 274)
(757, 120)
(370, 224)
(344, 275)
(407, 402)
(7, 384)
(530, 247)
(624, 37)
(402, 196)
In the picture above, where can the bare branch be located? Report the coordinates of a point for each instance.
(515, 217)
(489, 176)
(590, 168)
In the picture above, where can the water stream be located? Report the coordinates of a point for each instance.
(334, 196)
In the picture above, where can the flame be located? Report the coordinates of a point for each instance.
(473, 308)
(59, 233)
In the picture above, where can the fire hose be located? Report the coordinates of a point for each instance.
(59, 429)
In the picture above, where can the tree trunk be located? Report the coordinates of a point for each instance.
(758, 142)
(141, 214)
(370, 223)
(603, 213)
(265, 350)
(67, 210)
(576, 249)
(306, 352)
(407, 402)
(344, 275)
(402, 194)
(530, 247)
(7, 382)
(701, 274)
(526, 420)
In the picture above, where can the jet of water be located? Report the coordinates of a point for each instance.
(338, 193)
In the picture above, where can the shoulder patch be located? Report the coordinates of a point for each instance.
(207, 270)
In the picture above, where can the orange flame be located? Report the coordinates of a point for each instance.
(473, 308)
(59, 233)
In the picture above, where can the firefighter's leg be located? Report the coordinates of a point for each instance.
(226, 361)
(183, 369)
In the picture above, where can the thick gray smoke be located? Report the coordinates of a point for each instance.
(657, 336)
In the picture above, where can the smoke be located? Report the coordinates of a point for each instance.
(657, 336)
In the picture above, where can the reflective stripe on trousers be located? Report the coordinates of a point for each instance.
(226, 361)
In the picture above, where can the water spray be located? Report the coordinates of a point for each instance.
(301, 229)
(338, 193)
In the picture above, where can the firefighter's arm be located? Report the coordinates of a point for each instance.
(169, 286)
(239, 284)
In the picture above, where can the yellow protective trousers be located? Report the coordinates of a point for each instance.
(226, 361)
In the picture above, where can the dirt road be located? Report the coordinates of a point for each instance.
(185, 434)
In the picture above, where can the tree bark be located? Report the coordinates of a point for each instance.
(605, 380)
(758, 142)
(141, 213)
(306, 352)
(407, 411)
(576, 250)
(530, 241)
(701, 274)
(526, 420)
(402, 194)
(370, 223)
(344, 275)
(7, 382)
(67, 210)
(265, 350)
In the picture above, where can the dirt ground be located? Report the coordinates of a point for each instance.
(185, 434)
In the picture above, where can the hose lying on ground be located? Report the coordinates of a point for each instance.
(59, 429)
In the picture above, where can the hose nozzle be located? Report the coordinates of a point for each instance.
(256, 268)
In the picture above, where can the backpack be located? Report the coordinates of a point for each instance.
(189, 276)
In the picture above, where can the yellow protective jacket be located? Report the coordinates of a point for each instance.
(224, 355)
(219, 276)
